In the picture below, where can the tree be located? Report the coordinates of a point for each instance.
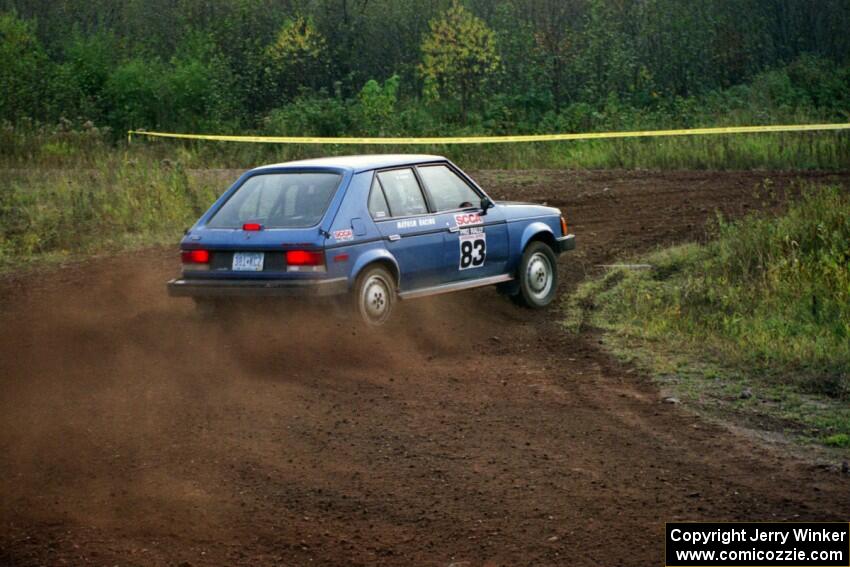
(556, 23)
(377, 105)
(136, 89)
(24, 70)
(199, 87)
(81, 78)
(458, 56)
(298, 56)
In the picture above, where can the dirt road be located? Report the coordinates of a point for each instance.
(470, 433)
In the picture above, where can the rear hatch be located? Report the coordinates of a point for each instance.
(267, 226)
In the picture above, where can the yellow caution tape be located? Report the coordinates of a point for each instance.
(494, 139)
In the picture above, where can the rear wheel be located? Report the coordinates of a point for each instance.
(375, 296)
(538, 276)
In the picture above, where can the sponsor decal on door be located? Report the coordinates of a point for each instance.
(467, 219)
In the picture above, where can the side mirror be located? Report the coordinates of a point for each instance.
(486, 203)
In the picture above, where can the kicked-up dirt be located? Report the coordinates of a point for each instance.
(469, 433)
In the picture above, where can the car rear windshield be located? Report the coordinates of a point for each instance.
(278, 200)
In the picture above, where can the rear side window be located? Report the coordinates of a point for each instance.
(447, 189)
(278, 200)
(377, 202)
(402, 192)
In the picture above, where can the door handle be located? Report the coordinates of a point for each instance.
(394, 237)
(454, 229)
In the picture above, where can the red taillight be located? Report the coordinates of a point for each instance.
(563, 226)
(252, 226)
(195, 256)
(305, 258)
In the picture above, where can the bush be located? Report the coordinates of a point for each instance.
(116, 204)
(310, 115)
(135, 90)
(375, 110)
(79, 86)
(25, 70)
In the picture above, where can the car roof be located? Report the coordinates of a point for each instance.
(359, 162)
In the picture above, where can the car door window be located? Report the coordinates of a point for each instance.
(448, 191)
(378, 207)
(402, 192)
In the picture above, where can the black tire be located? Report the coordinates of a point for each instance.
(375, 296)
(538, 276)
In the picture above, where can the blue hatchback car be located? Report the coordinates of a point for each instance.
(375, 227)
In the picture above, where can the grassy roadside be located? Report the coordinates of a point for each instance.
(753, 325)
(55, 214)
(776, 151)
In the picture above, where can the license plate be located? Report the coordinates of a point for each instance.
(248, 261)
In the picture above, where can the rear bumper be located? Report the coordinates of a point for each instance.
(566, 243)
(256, 288)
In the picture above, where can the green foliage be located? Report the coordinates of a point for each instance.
(458, 56)
(837, 440)
(198, 85)
(136, 90)
(187, 92)
(115, 204)
(297, 58)
(310, 116)
(807, 82)
(762, 308)
(80, 81)
(376, 108)
(770, 293)
(24, 69)
(510, 66)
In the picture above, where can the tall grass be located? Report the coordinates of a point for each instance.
(766, 302)
(822, 150)
(770, 293)
(64, 148)
(113, 204)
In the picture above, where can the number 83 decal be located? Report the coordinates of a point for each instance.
(473, 250)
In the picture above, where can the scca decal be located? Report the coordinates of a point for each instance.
(468, 219)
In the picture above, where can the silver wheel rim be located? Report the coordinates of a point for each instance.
(539, 276)
(375, 299)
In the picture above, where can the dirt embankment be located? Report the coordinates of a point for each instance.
(471, 432)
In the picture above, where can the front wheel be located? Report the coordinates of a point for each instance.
(538, 276)
(375, 296)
